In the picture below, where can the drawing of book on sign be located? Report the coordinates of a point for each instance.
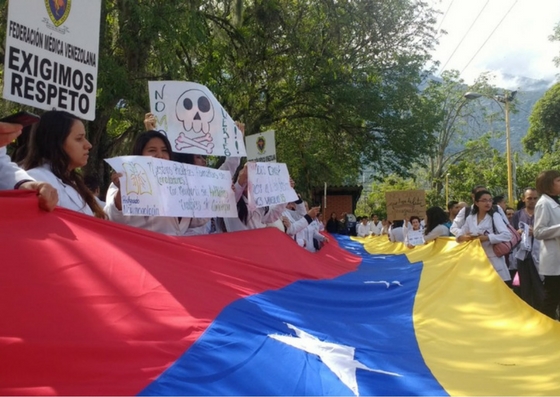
(137, 180)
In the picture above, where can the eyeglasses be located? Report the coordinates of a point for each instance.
(485, 201)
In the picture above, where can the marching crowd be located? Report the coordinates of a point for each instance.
(522, 244)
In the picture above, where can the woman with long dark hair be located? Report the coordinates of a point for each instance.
(488, 226)
(436, 220)
(332, 224)
(58, 147)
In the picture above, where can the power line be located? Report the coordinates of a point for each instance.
(444, 15)
(465, 35)
(488, 38)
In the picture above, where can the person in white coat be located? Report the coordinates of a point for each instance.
(375, 226)
(459, 220)
(14, 177)
(363, 228)
(488, 226)
(58, 147)
(546, 228)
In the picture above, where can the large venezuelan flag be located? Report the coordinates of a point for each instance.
(90, 307)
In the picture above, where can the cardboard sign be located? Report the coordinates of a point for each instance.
(156, 187)
(261, 147)
(269, 184)
(193, 119)
(404, 204)
(52, 55)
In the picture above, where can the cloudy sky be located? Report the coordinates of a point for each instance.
(519, 46)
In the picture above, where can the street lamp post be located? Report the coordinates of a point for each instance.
(447, 189)
(505, 99)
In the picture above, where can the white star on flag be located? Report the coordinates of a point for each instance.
(384, 282)
(338, 358)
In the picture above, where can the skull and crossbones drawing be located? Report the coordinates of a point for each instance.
(196, 111)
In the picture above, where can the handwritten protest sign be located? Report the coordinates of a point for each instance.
(403, 204)
(156, 187)
(194, 120)
(261, 147)
(415, 237)
(52, 52)
(269, 184)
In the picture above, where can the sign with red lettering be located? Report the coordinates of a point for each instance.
(52, 53)
(194, 120)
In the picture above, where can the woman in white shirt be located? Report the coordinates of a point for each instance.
(57, 148)
(487, 226)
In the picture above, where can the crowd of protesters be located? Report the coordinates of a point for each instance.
(58, 147)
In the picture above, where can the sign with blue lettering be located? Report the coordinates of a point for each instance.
(269, 184)
(157, 187)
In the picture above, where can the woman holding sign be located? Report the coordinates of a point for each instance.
(57, 148)
(153, 144)
(250, 219)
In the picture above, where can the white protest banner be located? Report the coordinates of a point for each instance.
(415, 237)
(269, 184)
(194, 120)
(52, 54)
(156, 187)
(261, 147)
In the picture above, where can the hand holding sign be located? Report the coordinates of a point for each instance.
(313, 212)
(8, 132)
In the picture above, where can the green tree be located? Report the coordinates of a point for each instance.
(375, 201)
(487, 168)
(544, 123)
(336, 80)
(455, 118)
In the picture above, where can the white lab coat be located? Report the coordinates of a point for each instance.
(10, 173)
(68, 197)
(485, 227)
(459, 220)
(546, 228)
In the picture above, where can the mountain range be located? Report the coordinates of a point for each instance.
(529, 91)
